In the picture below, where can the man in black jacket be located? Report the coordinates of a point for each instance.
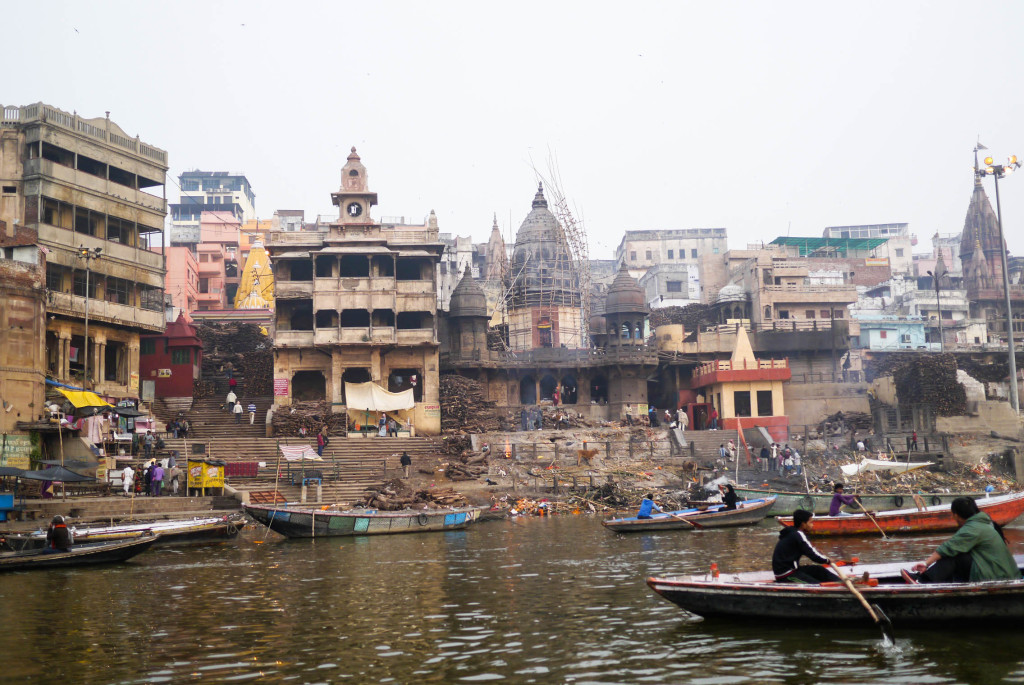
(792, 545)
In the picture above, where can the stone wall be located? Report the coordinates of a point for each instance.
(810, 403)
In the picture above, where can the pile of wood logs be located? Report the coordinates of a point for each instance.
(465, 407)
(244, 348)
(463, 463)
(840, 422)
(396, 495)
(692, 316)
(931, 379)
(311, 416)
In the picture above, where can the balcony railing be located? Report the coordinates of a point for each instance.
(727, 365)
(66, 239)
(107, 312)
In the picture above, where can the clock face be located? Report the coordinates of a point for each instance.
(354, 209)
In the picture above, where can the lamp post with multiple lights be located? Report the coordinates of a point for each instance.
(88, 254)
(998, 171)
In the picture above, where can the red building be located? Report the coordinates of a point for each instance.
(171, 360)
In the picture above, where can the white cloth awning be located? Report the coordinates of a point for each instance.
(299, 453)
(372, 397)
(882, 465)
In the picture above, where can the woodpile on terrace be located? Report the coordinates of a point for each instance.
(395, 495)
(308, 416)
(842, 422)
(463, 463)
(931, 379)
(241, 347)
(465, 407)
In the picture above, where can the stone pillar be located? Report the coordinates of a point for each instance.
(100, 364)
(65, 355)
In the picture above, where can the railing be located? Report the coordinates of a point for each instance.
(627, 354)
(76, 124)
(723, 365)
(101, 310)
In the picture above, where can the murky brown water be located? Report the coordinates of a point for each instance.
(536, 600)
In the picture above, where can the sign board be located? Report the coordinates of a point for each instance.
(876, 261)
(133, 382)
(163, 373)
(15, 451)
(432, 411)
(281, 387)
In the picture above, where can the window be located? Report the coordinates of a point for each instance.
(809, 314)
(650, 255)
(905, 338)
(899, 251)
(674, 286)
(79, 284)
(714, 250)
(118, 291)
(671, 254)
(54, 278)
(10, 190)
(181, 356)
(837, 313)
(741, 402)
(204, 257)
(825, 314)
(693, 253)
(147, 346)
(783, 313)
(151, 298)
(764, 403)
(632, 256)
(883, 334)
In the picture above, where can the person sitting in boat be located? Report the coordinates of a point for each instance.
(839, 499)
(58, 537)
(729, 496)
(792, 545)
(976, 551)
(647, 505)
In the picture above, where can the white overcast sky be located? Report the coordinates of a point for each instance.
(767, 118)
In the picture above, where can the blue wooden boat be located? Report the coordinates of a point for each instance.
(746, 513)
(297, 522)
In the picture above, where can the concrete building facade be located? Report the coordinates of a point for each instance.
(209, 191)
(666, 262)
(89, 190)
(357, 303)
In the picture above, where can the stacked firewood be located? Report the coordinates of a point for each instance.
(242, 347)
(395, 495)
(931, 379)
(465, 407)
(306, 418)
(840, 422)
(463, 462)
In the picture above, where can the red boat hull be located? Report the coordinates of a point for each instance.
(1002, 510)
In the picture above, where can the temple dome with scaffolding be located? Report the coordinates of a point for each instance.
(542, 267)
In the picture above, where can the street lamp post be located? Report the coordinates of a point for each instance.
(998, 171)
(88, 255)
(938, 307)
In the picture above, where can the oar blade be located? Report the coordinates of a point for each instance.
(884, 623)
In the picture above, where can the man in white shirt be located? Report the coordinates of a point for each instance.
(128, 479)
(237, 411)
(232, 400)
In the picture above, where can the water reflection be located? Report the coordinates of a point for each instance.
(534, 600)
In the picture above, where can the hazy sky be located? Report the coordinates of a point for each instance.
(768, 118)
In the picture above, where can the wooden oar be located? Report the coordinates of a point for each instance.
(868, 514)
(874, 612)
(695, 525)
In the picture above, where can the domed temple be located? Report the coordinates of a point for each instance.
(545, 306)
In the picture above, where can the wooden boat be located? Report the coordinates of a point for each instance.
(171, 532)
(1002, 509)
(756, 596)
(77, 555)
(818, 503)
(746, 513)
(296, 522)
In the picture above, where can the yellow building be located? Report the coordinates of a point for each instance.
(256, 283)
(746, 390)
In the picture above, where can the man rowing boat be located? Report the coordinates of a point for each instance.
(792, 545)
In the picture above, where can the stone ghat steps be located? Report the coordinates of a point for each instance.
(209, 419)
(706, 442)
(247, 448)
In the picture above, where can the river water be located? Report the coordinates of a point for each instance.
(554, 600)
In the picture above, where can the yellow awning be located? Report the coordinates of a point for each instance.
(84, 398)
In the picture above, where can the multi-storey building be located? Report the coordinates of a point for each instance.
(94, 195)
(209, 191)
(357, 303)
(218, 254)
(667, 262)
(182, 281)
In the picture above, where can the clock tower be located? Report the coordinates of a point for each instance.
(353, 198)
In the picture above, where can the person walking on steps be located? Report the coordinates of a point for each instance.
(321, 441)
(231, 399)
(406, 462)
(252, 413)
(913, 441)
(237, 411)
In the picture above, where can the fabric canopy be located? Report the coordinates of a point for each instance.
(372, 397)
(57, 474)
(299, 453)
(84, 398)
(882, 465)
(8, 471)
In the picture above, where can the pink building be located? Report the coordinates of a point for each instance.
(182, 280)
(217, 254)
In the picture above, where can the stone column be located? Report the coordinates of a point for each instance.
(99, 362)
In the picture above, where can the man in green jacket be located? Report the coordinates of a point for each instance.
(975, 552)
